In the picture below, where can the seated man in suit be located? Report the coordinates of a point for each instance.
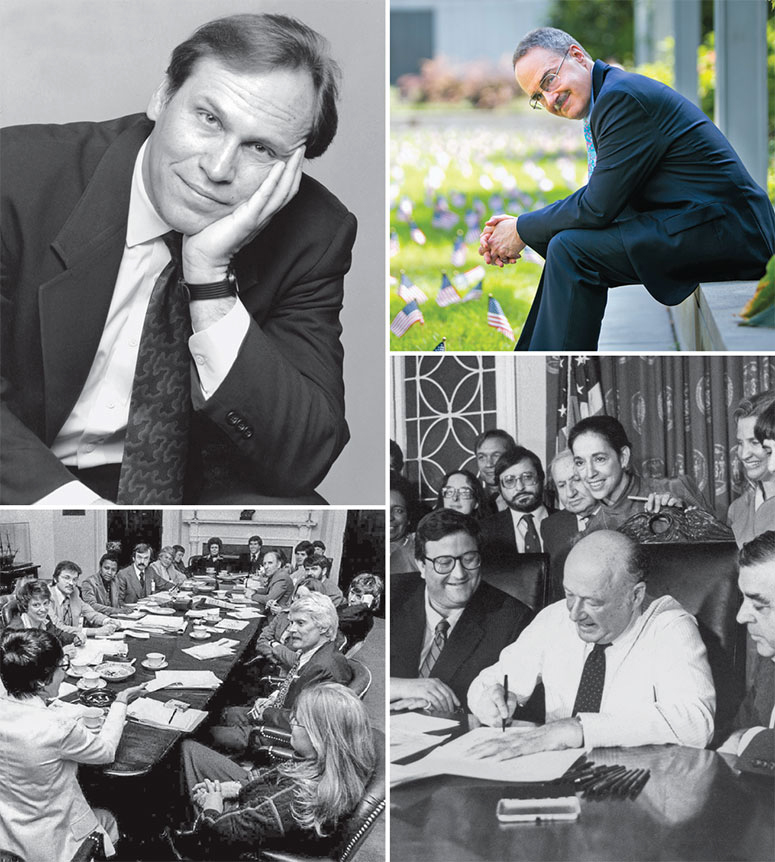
(139, 580)
(489, 447)
(101, 590)
(279, 585)
(516, 530)
(561, 528)
(754, 735)
(312, 628)
(450, 624)
(69, 611)
(668, 202)
(251, 562)
(318, 566)
(614, 671)
(202, 272)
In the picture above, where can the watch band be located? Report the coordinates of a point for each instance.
(212, 290)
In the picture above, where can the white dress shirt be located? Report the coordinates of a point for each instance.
(432, 619)
(520, 527)
(658, 685)
(93, 433)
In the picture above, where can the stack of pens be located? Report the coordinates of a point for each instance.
(601, 782)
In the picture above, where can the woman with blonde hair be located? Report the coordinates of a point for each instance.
(294, 806)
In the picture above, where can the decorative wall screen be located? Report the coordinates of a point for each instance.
(449, 401)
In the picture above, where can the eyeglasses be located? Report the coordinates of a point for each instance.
(70, 579)
(527, 480)
(444, 565)
(449, 493)
(549, 82)
(65, 663)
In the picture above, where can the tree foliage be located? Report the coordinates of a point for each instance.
(604, 27)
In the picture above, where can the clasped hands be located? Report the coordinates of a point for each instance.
(212, 794)
(499, 242)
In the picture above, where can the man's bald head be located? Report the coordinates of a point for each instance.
(604, 585)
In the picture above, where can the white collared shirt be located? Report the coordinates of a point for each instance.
(520, 526)
(93, 433)
(432, 619)
(658, 685)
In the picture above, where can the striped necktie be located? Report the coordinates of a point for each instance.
(590, 693)
(437, 645)
(67, 612)
(282, 692)
(532, 542)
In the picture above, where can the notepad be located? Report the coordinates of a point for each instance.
(146, 710)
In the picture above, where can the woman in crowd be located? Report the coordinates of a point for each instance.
(402, 520)
(297, 805)
(603, 455)
(461, 490)
(765, 434)
(43, 813)
(753, 511)
(301, 553)
(33, 599)
(165, 568)
(356, 618)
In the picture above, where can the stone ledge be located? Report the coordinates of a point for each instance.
(708, 320)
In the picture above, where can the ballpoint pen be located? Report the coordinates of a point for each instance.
(505, 698)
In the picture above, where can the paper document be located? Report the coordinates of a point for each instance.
(417, 722)
(225, 646)
(232, 625)
(220, 603)
(154, 621)
(184, 679)
(404, 744)
(66, 688)
(246, 614)
(146, 710)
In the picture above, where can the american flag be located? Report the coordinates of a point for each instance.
(459, 250)
(406, 318)
(416, 234)
(447, 294)
(497, 319)
(395, 246)
(441, 347)
(464, 280)
(581, 394)
(409, 291)
(476, 292)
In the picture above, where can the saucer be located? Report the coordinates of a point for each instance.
(115, 671)
(161, 666)
(199, 636)
(159, 610)
(71, 671)
(100, 684)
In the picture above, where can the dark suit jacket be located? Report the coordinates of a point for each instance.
(65, 197)
(93, 591)
(557, 534)
(499, 545)
(759, 701)
(687, 208)
(129, 586)
(491, 621)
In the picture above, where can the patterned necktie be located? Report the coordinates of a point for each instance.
(591, 152)
(590, 693)
(67, 613)
(437, 645)
(282, 692)
(156, 441)
(532, 542)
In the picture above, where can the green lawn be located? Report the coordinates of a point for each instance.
(475, 162)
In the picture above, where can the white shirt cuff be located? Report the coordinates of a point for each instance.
(72, 493)
(747, 737)
(214, 350)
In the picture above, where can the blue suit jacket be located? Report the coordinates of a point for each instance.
(687, 208)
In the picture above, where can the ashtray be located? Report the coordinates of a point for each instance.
(97, 698)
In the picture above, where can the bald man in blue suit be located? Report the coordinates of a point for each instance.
(668, 204)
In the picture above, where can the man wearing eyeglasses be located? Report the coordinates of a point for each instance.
(516, 530)
(450, 625)
(668, 202)
(69, 611)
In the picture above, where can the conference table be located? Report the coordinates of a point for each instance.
(695, 806)
(142, 746)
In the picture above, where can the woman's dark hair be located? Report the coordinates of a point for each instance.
(404, 487)
(608, 427)
(765, 425)
(214, 541)
(264, 43)
(28, 659)
(303, 547)
(473, 483)
(109, 557)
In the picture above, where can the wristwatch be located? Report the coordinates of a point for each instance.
(213, 289)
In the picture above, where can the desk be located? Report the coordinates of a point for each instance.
(143, 746)
(694, 807)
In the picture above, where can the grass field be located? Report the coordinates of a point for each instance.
(469, 165)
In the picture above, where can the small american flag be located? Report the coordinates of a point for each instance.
(447, 294)
(476, 292)
(406, 318)
(409, 291)
(459, 250)
(497, 319)
(395, 246)
(416, 234)
(441, 347)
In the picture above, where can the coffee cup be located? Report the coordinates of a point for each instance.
(90, 679)
(92, 717)
(78, 669)
(155, 659)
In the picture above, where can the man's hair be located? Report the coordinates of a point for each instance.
(111, 557)
(316, 560)
(761, 549)
(214, 541)
(494, 433)
(141, 548)
(753, 406)
(319, 543)
(28, 659)
(264, 43)
(444, 522)
(765, 425)
(321, 611)
(560, 456)
(29, 590)
(368, 583)
(66, 566)
(557, 41)
(519, 453)
(179, 548)
(281, 558)
(304, 546)
(607, 427)
(256, 539)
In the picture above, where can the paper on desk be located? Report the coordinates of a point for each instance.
(246, 614)
(66, 688)
(232, 625)
(154, 621)
(184, 679)
(90, 653)
(225, 646)
(417, 722)
(146, 710)
(220, 603)
(403, 744)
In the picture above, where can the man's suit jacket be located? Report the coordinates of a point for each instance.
(79, 607)
(499, 544)
(557, 534)
(65, 197)
(759, 701)
(129, 588)
(687, 208)
(490, 621)
(279, 589)
(105, 601)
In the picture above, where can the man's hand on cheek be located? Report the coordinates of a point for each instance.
(207, 254)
